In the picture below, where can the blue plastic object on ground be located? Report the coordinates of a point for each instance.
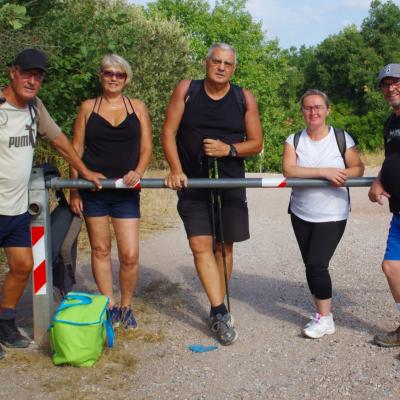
(199, 348)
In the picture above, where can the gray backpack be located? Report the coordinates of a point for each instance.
(65, 228)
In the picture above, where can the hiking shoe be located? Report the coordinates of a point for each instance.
(389, 339)
(115, 316)
(10, 336)
(319, 326)
(231, 319)
(127, 318)
(222, 326)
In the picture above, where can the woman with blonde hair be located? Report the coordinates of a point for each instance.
(113, 135)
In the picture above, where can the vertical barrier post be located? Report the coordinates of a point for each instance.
(42, 277)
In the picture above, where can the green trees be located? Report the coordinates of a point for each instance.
(167, 41)
(262, 67)
(76, 34)
(346, 65)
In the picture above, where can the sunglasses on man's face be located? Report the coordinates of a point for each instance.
(111, 74)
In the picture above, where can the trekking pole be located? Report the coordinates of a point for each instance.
(221, 233)
(212, 199)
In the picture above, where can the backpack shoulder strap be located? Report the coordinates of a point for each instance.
(33, 107)
(296, 139)
(340, 140)
(69, 240)
(240, 98)
(193, 90)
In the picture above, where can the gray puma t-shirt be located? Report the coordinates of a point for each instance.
(19, 128)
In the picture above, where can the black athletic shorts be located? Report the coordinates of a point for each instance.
(195, 210)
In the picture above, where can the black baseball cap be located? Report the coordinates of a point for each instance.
(31, 59)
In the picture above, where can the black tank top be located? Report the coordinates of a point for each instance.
(390, 172)
(112, 150)
(215, 119)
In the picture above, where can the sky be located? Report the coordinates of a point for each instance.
(308, 22)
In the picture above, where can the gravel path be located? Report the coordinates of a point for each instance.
(270, 302)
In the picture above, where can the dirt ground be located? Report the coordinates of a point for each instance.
(270, 302)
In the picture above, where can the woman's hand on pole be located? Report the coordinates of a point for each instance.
(337, 176)
(132, 178)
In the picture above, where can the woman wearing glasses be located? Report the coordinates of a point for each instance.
(319, 215)
(113, 135)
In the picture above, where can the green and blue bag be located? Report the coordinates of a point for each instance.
(80, 327)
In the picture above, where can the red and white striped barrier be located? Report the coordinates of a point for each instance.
(39, 260)
(120, 184)
(273, 182)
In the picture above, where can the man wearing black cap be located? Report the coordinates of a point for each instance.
(22, 117)
(387, 184)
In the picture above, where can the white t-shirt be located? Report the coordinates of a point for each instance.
(18, 134)
(321, 204)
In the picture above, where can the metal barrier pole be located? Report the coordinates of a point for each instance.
(42, 276)
(199, 183)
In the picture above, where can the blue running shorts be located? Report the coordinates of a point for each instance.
(393, 240)
(120, 203)
(15, 230)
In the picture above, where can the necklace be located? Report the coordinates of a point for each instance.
(113, 105)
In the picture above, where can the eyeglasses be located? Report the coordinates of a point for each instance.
(318, 107)
(30, 73)
(111, 74)
(388, 85)
(218, 61)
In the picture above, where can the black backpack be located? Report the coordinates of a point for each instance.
(65, 228)
(341, 143)
(340, 140)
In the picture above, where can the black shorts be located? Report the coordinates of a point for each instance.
(195, 211)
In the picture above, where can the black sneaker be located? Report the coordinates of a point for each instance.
(222, 326)
(2, 354)
(10, 335)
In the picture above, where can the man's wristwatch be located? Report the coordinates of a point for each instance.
(232, 151)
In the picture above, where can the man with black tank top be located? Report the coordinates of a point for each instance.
(387, 184)
(212, 124)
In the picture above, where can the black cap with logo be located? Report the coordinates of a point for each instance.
(31, 59)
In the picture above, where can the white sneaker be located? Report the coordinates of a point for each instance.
(319, 326)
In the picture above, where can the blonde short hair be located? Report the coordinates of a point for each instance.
(114, 60)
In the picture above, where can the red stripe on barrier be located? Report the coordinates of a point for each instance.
(37, 232)
(39, 276)
(282, 184)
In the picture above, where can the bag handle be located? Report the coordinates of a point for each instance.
(109, 330)
(83, 300)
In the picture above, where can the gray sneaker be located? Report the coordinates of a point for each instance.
(389, 339)
(222, 326)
